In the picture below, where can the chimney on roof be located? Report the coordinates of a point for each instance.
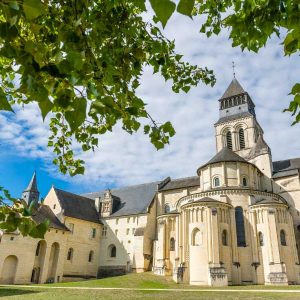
(98, 204)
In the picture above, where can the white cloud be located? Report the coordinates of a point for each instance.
(123, 159)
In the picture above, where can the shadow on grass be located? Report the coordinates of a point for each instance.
(4, 292)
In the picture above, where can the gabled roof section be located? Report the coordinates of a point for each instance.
(32, 186)
(285, 168)
(233, 89)
(44, 212)
(261, 147)
(77, 207)
(181, 183)
(225, 155)
(133, 200)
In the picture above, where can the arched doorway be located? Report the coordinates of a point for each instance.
(9, 269)
(53, 260)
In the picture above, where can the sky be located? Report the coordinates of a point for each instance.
(124, 159)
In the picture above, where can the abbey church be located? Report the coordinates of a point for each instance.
(235, 222)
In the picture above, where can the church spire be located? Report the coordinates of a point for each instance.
(31, 193)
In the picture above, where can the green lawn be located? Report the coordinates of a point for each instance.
(142, 281)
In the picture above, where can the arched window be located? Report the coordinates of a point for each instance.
(216, 182)
(229, 140)
(70, 254)
(244, 181)
(240, 227)
(242, 138)
(38, 248)
(167, 208)
(112, 251)
(197, 237)
(261, 239)
(91, 256)
(172, 244)
(282, 238)
(224, 238)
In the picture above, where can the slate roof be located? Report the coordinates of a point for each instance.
(133, 199)
(32, 186)
(225, 155)
(233, 89)
(259, 148)
(44, 212)
(77, 206)
(234, 117)
(284, 168)
(181, 183)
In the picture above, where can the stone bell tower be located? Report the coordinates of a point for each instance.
(239, 130)
(31, 193)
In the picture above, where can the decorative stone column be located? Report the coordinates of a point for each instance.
(217, 275)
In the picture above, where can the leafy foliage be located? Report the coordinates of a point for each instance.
(16, 216)
(82, 62)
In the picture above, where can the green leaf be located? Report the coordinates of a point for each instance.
(163, 10)
(40, 230)
(4, 104)
(45, 106)
(33, 9)
(185, 7)
(77, 115)
(296, 89)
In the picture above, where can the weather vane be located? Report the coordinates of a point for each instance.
(233, 69)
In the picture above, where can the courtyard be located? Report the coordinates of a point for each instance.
(144, 286)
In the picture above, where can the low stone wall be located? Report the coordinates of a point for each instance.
(109, 271)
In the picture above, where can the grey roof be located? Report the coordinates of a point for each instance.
(259, 148)
(32, 186)
(44, 212)
(234, 117)
(133, 199)
(76, 206)
(233, 89)
(181, 183)
(225, 155)
(284, 168)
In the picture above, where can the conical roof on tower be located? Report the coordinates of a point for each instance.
(32, 186)
(233, 89)
(224, 155)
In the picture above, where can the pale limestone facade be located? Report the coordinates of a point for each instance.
(236, 222)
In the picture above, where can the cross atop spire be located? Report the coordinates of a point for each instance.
(233, 69)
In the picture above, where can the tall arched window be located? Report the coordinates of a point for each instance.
(224, 238)
(229, 140)
(70, 254)
(242, 138)
(261, 239)
(240, 227)
(197, 237)
(216, 182)
(244, 181)
(91, 256)
(38, 248)
(172, 244)
(112, 251)
(282, 238)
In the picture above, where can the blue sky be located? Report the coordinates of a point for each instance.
(124, 159)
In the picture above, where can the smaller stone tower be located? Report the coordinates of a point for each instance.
(31, 193)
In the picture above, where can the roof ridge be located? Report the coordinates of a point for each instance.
(285, 159)
(85, 198)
